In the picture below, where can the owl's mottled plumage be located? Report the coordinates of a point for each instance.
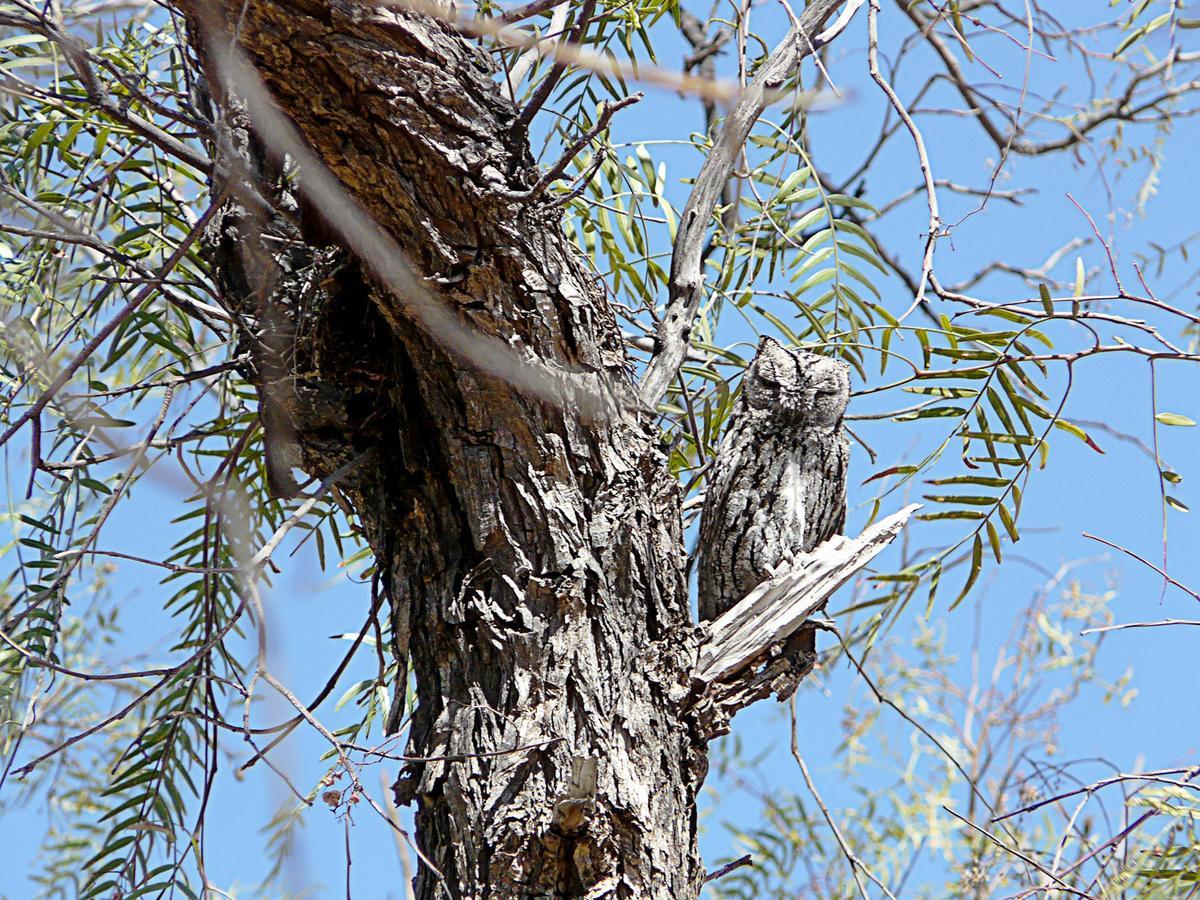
(778, 485)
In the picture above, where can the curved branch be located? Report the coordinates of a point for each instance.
(686, 286)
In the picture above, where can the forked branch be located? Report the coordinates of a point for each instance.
(686, 286)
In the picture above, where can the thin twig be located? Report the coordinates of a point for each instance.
(1183, 587)
(935, 219)
(856, 864)
(1156, 776)
(746, 860)
(401, 847)
(1159, 624)
(1062, 885)
(555, 172)
(542, 92)
(519, 13)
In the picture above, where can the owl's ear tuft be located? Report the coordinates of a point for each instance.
(773, 362)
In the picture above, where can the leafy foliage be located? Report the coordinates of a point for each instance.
(99, 250)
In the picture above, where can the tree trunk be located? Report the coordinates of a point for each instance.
(531, 551)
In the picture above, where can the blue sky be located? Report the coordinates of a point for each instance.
(1114, 496)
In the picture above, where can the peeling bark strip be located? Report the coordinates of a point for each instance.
(532, 555)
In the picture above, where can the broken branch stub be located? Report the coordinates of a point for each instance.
(777, 609)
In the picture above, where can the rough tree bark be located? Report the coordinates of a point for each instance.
(532, 553)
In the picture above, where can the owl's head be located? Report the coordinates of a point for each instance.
(796, 388)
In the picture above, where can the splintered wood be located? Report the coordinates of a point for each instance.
(777, 608)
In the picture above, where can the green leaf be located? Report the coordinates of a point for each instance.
(976, 568)
(983, 480)
(1007, 315)
(943, 391)
(959, 353)
(43, 524)
(1166, 418)
(1047, 301)
(1074, 429)
(1036, 408)
(967, 499)
(904, 577)
(1009, 524)
(894, 470)
(95, 485)
(994, 540)
(931, 412)
(1000, 438)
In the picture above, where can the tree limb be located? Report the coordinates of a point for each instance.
(686, 285)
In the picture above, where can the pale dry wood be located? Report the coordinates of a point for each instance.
(776, 609)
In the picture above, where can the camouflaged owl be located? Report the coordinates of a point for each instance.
(777, 488)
